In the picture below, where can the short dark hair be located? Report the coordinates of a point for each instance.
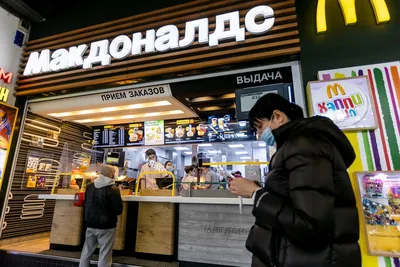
(151, 152)
(266, 105)
(189, 169)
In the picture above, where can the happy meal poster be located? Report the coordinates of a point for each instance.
(347, 102)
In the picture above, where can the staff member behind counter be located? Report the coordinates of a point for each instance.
(211, 177)
(148, 181)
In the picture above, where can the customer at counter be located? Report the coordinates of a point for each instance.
(211, 177)
(103, 204)
(148, 181)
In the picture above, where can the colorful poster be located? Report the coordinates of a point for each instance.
(379, 149)
(347, 102)
(8, 116)
(380, 198)
(154, 133)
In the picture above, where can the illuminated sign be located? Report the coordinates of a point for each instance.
(349, 13)
(6, 77)
(4, 92)
(258, 20)
(346, 102)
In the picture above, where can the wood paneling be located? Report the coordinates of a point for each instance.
(214, 234)
(72, 134)
(282, 40)
(67, 224)
(156, 225)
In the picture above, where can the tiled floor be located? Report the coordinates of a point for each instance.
(41, 246)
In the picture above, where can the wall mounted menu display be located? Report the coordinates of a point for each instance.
(109, 136)
(134, 134)
(223, 129)
(154, 132)
(184, 131)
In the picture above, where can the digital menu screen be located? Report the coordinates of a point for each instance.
(221, 129)
(184, 131)
(109, 136)
(134, 134)
(154, 133)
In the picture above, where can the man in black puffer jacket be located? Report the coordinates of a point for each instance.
(103, 204)
(306, 216)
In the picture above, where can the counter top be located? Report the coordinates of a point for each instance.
(178, 199)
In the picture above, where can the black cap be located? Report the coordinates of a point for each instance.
(150, 152)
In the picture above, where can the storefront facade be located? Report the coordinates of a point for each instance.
(188, 50)
(196, 57)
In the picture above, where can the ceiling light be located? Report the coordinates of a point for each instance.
(181, 148)
(188, 153)
(111, 109)
(205, 145)
(214, 152)
(262, 144)
(236, 146)
(241, 153)
(245, 157)
(143, 115)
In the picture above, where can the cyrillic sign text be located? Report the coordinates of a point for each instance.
(258, 20)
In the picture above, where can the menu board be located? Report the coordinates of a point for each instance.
(222, 129)
(134, 134)
(154, 132)
(184, 131)
(109, 136)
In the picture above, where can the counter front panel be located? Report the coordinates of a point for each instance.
(214, 234)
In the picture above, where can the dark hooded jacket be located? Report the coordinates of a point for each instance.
(306, 216)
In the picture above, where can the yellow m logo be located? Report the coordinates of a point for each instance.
(349, 12)
(335, 88)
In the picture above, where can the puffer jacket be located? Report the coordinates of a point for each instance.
(306, 216)
(103, 204)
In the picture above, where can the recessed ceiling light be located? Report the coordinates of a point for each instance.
(153, 114)
(205, 145)
(236, 146)
(188, 153)
(241, 153)
(181, 148)
(214, 152)
(245, 157)
(110, 109)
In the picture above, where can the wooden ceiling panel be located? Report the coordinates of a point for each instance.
(281, 40)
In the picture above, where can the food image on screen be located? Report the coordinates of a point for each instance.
(184, 131)
(180, 132)
(154, 132)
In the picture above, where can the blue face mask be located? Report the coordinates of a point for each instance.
(267, 135)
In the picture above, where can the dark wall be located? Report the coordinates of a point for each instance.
(92, 12)
(341, 46)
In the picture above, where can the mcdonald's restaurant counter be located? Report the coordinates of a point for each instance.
(155, 224)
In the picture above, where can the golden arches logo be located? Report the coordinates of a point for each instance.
(335, 88)
(349, 12)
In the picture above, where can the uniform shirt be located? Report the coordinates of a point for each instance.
(150, 179)
(188, 179)
(212, 177)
